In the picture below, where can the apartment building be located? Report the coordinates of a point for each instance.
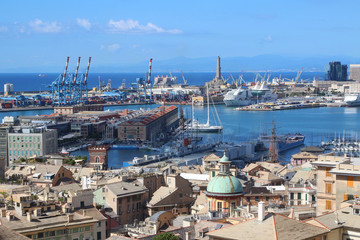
(126, 199)
(326, 182)
(29, 142)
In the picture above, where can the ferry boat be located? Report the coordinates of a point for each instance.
(352, 99)
(245, 97)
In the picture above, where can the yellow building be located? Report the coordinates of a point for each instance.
(327, 182)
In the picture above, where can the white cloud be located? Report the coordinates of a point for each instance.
(111, 47)
(3, 29)
(84, 23)
(45, 27)
(133, 26)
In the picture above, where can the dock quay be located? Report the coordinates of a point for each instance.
(279, 107)
(168, 155)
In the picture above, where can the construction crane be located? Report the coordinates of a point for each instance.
(185, 82)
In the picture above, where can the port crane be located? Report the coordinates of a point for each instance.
(185, 82)
(69, 89)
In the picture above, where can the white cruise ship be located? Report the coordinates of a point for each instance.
(245, 97)
(352, 99)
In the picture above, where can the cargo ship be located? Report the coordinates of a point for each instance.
(284, 142)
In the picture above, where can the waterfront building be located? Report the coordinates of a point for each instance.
(355, 72)
(29, 142)
(224, 191)
(151, 126)
(337, 72)
(66, 110)
(98, 156)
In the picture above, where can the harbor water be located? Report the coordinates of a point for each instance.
(317, 124)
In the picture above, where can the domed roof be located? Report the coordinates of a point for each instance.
(224, 184)
(224, 158)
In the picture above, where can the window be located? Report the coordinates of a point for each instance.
(328, 188)
(267, 199)
(248, 199)
(219, 206)
(209, 205)
(292, 195)
(350, 181)
(328, 174)
(87, 228)
(328, 205)
(256, 199)
(52, 233)
(97, 159)
(40, 235)
(299, 196)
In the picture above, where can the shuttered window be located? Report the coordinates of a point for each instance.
(350, 181)
(328, 205)
(328, 188)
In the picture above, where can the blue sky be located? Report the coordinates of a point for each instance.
(42, 33)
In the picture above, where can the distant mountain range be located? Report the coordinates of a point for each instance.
(274, 63)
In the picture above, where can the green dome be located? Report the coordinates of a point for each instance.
(224, 184)
(224, 158)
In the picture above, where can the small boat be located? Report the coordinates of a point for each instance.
(63, 151)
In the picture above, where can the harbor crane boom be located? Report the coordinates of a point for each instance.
(76, 72)
(87, 71)
(185, 82)
(64, 75)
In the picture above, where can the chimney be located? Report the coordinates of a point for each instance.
(261, 211)
(291, 215)
(28, 216)
(248, 208)
(70, 217)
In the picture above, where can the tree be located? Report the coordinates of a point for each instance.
(166, 236)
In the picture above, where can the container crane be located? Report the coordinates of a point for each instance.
(185, 82)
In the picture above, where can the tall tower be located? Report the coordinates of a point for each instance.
(98, 156)
(218, 69)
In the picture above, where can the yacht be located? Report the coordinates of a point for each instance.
(195, 126)
(352, 99)
(244, 97)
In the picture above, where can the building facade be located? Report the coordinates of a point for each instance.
(326, 182)
(355, 72)
(151, 126)
(31, 142)
(98, 156)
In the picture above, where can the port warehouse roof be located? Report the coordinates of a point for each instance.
(150, 116)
